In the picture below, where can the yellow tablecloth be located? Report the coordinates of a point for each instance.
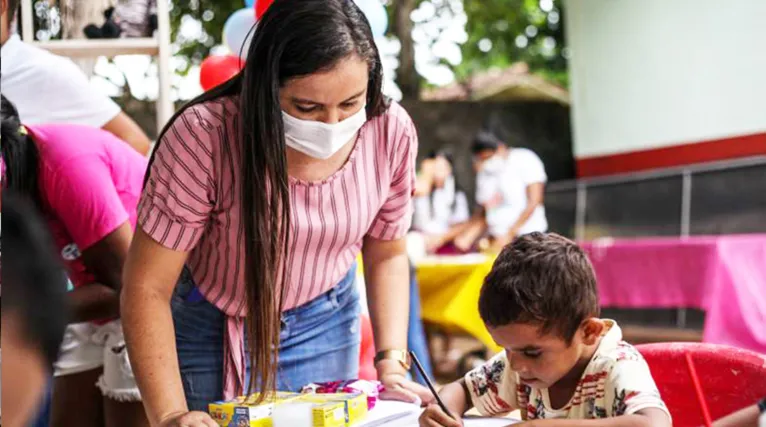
(449, 294)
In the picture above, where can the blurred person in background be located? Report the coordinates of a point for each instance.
(48, 88)
(510, 187)
(441, 205)
(33, 312)
(86, 184)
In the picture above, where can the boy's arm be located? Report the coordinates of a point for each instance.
(649, 417)
(456, 397)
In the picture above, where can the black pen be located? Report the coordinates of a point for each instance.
(430, 385)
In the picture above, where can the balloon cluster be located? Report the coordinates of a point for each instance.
(240, 26)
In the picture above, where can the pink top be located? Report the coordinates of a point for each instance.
(190, 204)
(90, 182)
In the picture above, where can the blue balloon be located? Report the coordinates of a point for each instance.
(249, 3)
(376, 14)
(237, 31)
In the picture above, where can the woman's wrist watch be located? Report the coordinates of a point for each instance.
(401, 356)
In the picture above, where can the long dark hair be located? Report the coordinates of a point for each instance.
(293, 38)
(20, 155)
(34, 282)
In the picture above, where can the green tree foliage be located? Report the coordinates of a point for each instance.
(501, 32)
(493, 28)
(211, 15)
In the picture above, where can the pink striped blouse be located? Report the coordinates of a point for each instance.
(190, 204)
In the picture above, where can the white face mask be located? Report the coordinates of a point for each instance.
(493, 165)
(321, 140)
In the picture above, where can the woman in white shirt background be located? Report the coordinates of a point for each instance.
(510, 186)
(441, 205)
(26, 71)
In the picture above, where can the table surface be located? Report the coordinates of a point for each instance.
(385, 409)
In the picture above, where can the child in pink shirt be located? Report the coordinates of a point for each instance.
(90, 183)
(86, 183)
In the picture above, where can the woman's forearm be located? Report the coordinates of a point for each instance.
(521, 220)
(387, 277)
(454, 231)
(148, 326)
(535, 196)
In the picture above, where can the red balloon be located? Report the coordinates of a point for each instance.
(218, 69)
(260, 7)
(367, 350)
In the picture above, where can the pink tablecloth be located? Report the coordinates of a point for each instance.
(724, 275)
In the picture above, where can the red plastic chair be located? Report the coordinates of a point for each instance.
(367, 351)
(730, 378)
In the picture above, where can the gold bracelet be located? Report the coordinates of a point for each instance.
(401, 356)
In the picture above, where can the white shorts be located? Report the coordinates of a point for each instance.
(87, 346)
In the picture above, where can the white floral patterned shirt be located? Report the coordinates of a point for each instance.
(617, 381)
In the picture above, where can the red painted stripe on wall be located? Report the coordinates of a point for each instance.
(678, 155)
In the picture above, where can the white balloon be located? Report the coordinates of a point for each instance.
(376, 14)
(237, 31)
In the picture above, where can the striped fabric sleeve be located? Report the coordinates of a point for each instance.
(179, 194)
(395, 216)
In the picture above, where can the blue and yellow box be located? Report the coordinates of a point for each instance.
(244, 412)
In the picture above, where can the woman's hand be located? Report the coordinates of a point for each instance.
(428, 167)
(434, 242)
(189, 419)
(501, 242)
(398, 387)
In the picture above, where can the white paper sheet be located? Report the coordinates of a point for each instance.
(386, 409)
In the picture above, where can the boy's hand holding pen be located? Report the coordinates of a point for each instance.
(449, 406)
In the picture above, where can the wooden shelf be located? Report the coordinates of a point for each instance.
(157, 46)
(91, 48)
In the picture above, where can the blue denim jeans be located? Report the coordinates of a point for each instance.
(319, 341)
(416, 334)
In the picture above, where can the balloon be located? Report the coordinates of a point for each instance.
(249, 3)
(236, 31)
(376, 14)
(261, 6)
(367, 350)
(218, 69)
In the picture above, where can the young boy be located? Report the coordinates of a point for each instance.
(563, 366)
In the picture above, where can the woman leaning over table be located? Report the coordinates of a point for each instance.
(259, 197)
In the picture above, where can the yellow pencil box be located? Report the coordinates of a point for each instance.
(244, 412)
(354, 405)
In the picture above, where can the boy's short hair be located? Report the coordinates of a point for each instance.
(540, 278)
(485, 140)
